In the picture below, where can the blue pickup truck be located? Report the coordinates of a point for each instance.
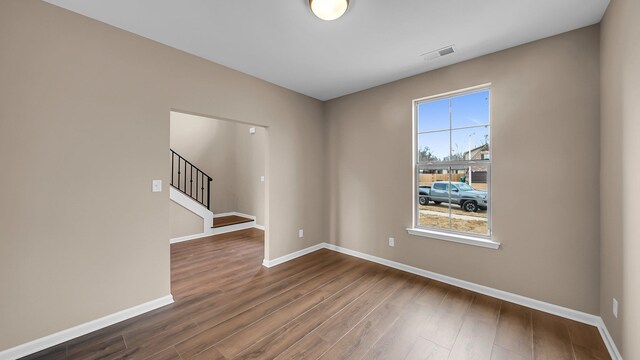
(462, 194)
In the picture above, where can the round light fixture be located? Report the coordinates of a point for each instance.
(328, 9)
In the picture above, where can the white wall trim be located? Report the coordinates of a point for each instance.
(195, 207)
(207, 218)
(74, 332)
(188, 203)
(231, 213)
(285, 258)
(608, 340)
(188, 237)
(48, 341)
(561, 311)
(503, 295)
(232, 228)
(216, 231)
(462, 239)
(260, 227)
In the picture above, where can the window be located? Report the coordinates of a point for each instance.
(453, 163)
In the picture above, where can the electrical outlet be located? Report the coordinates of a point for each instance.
(156, 186)
(300, 233)
(615, 308)
(261, 178)
(252, 130)
(392, 242)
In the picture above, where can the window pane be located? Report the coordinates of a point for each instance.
(454, 164)
(433, 115)
(474, 141)
(433, 147)
(470, 110)
(469, 199)
(433, 201)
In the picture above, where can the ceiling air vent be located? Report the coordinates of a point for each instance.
(431, 55)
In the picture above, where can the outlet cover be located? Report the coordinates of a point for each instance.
(300, 233)
(392, 242)
(156, 186)
(615, 308)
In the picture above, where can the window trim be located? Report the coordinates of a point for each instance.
(443, 234)
(454, 237)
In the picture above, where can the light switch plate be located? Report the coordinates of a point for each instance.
(261, 178)
(156, 186)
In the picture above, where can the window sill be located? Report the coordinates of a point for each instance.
(462, 239)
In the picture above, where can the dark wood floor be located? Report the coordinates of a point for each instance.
(229, 220)
(324, 305)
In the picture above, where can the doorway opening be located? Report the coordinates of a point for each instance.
(219, 179)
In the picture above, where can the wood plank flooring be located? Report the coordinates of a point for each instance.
(324, 305)
(229, 220)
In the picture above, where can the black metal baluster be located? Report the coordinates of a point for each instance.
(200, 176)
(209, 194)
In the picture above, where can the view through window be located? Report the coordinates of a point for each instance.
(453, 163)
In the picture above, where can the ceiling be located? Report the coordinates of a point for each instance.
(375, 42)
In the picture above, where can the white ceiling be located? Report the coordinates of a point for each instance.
(375, 42)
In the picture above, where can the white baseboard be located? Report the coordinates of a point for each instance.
(561, 311)
(283, 259)
(231, 213)
(188, 203)
(46, 342)
(503, 295)
(195, 207)
(222, 230)
(188, 237)
(608, 341)
(232, 228)
(66, 335)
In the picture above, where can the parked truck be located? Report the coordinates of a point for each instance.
(468, 198)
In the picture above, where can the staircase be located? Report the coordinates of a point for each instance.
(229, 220)
(191, 189)
(182, 179)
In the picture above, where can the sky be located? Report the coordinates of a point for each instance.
(466, 110)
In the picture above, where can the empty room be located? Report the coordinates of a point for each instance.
(319, 179)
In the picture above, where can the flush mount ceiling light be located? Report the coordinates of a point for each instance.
(328, 9)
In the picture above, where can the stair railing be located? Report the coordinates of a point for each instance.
(186, 178)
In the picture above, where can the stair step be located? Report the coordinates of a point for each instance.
(229, 220)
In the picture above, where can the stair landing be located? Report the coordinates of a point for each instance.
(229, 220)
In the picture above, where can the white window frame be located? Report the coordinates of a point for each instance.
(486, 241)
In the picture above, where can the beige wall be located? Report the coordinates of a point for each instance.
(620, 131)
(545, 174)
(227, 152)
(183, 222)
(81, 105)
(250, 158)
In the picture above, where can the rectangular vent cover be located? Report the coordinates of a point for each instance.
(431, 55)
